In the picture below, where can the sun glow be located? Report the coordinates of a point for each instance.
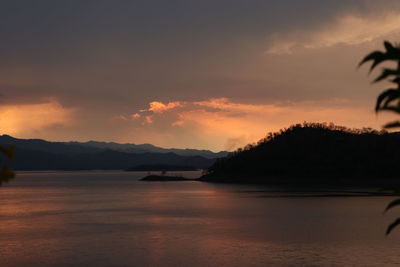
(27, 118)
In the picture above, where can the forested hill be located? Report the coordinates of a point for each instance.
(313, 152)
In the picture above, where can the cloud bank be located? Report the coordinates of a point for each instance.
(220, 123)
(238, 68)
(26, 120)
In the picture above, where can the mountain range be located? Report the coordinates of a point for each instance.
(37, 154)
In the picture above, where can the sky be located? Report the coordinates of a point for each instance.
(187, 74)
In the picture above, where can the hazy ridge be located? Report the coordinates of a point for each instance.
(37, 154)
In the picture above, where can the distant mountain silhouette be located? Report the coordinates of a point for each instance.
(36, 154)
(95, 147)
(45, 146)
(104, 160)
(313, 152)
(132, 148)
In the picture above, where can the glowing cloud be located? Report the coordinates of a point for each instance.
(23, 120)
(159, 107)
(148, 119)
(135, 116)
(220, 123)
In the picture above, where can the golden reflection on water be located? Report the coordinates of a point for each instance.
(31, 219)
(170, 230)
(156, 240)
(156, 237)
(116, 221)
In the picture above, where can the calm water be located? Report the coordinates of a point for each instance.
(111, 219)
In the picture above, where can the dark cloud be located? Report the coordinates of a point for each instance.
(112, 57)
(145, 49)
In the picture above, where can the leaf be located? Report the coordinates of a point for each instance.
(392, 204)
(392, 125)
(386, 73)
(386, 97)
(396, 80)
(377, 57)
(389, 47)
(392, 53)
(394, 109)
(392, 226)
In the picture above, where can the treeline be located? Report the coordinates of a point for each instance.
(313, 151)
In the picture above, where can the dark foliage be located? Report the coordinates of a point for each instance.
(388, 100)
(6, 172)
(313, 151)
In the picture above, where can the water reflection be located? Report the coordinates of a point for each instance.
(111, 219)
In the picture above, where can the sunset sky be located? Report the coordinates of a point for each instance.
(187, 74)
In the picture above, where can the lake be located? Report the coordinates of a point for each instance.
(101, 218)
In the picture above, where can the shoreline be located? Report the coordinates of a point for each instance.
(291, 189)
(342, 181)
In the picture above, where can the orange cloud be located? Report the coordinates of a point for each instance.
(136, 116)
(22, 120)
(220, 123)
(148, 119)
(159, 107)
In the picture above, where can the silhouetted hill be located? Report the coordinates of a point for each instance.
(45, 146)
(37, 154)
(95, 147)
(316, 153)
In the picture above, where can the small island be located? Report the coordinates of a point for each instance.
(164, 178)
(162, 167)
